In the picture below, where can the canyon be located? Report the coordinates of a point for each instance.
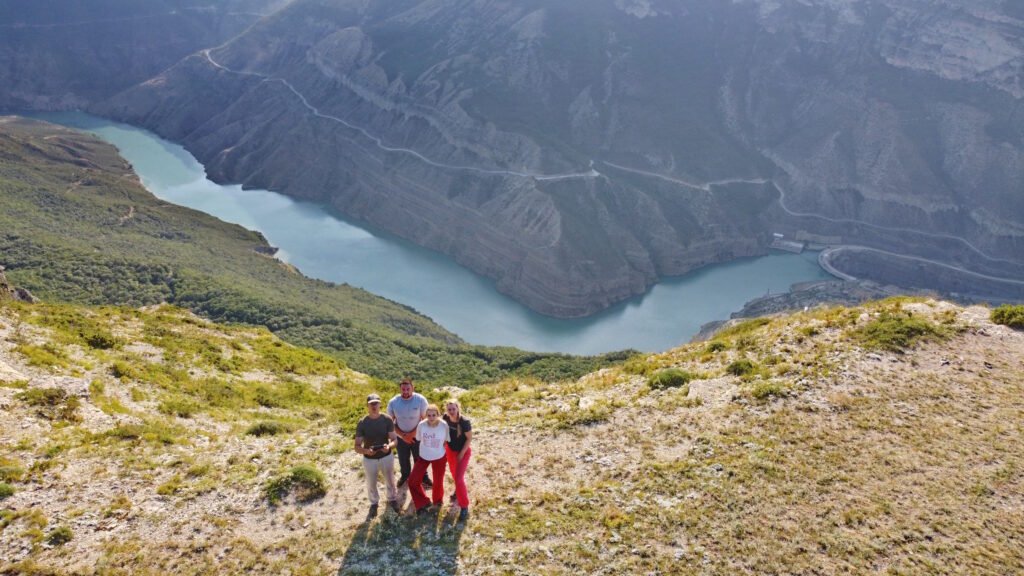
(577, 152)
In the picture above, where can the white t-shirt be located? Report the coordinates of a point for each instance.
(432, 439)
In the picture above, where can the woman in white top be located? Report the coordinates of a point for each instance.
(432, 435)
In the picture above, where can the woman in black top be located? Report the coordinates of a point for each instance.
(458, 452)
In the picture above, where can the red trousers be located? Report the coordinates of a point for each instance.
(459, 474)
(419, 498)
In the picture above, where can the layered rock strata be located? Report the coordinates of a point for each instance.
(575, 155)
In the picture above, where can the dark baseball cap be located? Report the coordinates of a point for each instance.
(373, 398)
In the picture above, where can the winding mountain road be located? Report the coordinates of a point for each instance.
(379, 142)
(707, 186)
(593, 173)
(826, 264)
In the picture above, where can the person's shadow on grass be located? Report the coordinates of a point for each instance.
(396, 544)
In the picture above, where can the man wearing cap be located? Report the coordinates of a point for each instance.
(375, 438)
(407, 409)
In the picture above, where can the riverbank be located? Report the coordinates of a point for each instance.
(322, 244)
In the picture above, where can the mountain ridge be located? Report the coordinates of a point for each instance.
(575, 164)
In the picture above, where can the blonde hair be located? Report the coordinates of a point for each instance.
(458, 424)
(435, 409)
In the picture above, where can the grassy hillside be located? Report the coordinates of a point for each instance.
(881, 439)
(76, 226)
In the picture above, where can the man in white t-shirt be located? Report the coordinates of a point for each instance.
(408, 409)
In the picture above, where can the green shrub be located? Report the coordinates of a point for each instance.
(304, 480)
(10, 471)
(267, 428)
(171, 487)
(53, 403)
(1009, 315)
(42, 396)
(155, 432)
(716, 346)
(6, 490)
(60, 536)
(743, 328)
(669, 378)
(125, 371)
(636, 365)
(48, 355)
(765, 389)
(17, 384)
(741, 367)
(126, 432)
(69, 411)
(99, 340)
(178, 407)
(896, 331)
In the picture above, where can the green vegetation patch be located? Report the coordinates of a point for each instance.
(1009, 315)
(716, 346)
(896, 331)
(59, 536)
(49, 355)
(743, 328)
(669, 378)
(741, 367)
(151, 431)
(178, 406)
(267, 428)
(766, 389)
(305, 481)
(11, 471)
(52, 403)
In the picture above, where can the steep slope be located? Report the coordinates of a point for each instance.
(577, 151)
(60, 55)
(799, 444)
(76, 225)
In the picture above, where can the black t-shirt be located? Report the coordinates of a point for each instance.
(457, 440)
(374, 432)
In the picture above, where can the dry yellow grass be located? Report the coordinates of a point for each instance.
(827, 457)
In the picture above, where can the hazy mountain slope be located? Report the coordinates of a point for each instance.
(76, 225)
(575, 151)
(825, 455)
(56, 54)
(433, 131)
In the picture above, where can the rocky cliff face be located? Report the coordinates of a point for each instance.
(64, 55)
(577, 151)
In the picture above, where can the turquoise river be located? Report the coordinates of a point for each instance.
(325, 245)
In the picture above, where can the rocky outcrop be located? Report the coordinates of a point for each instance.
(14, 292)
(575, 155)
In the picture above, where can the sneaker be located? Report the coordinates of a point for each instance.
(402, 481)
(453, 497)
(463, 514)
(372, 513)
(422, 511)
(427, 483)
(393, 504)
